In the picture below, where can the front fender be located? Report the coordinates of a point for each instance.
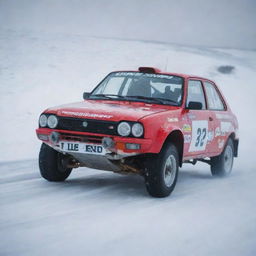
(161, 136)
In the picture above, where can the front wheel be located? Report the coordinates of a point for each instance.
(162, 172)
(222, 165)
(52, 164)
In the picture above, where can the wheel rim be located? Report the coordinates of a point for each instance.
(228, 159)
(170, 169)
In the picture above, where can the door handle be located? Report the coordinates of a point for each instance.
(210, 118)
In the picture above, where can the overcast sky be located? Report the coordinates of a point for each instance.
(222, 23)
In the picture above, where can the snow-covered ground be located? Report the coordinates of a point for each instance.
(94, 212)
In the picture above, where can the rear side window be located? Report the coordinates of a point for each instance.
(213, 98)
(195, 92)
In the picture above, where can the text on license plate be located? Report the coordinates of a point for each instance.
(82, 148)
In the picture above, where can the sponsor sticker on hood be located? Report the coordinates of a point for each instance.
(81, 114)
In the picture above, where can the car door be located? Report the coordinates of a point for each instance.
(197, 126)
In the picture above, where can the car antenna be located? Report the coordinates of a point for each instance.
(166, 64)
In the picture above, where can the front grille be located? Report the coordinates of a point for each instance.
(79, 138)
(93, 126)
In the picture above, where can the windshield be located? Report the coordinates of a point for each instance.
(136, 86)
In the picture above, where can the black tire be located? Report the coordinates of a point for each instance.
(222, 165)
(160, 180)
(51, 164)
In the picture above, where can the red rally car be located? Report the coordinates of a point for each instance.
(146, 122)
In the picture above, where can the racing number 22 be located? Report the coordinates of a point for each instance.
(201, 135)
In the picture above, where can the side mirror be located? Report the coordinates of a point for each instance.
(195, 105)
(86, 95)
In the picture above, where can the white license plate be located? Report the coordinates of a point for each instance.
(85, 148)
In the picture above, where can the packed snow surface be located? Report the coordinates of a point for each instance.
(101, 213)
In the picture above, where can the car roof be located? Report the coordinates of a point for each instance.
(153, 70)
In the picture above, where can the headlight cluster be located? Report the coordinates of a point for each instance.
(125, 129)
(51, 121)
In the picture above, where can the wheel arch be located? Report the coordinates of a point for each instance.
(176, 137)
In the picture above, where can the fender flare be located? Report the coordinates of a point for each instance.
(176, 137)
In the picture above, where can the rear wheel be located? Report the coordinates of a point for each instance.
(222, 165)
(52, 164)
(162, 172)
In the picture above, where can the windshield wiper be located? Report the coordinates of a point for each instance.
(144, 98)
(168, 100)
(107, 96)
(154, 99)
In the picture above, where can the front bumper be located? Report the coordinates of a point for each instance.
(120, 148)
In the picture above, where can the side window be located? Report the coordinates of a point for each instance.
(195, 92)
(213, 97)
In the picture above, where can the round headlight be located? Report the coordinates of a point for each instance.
(43, 120)
(52, 121)
(137, 130)
(124, 129)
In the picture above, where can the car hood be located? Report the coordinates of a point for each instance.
(109, 110)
